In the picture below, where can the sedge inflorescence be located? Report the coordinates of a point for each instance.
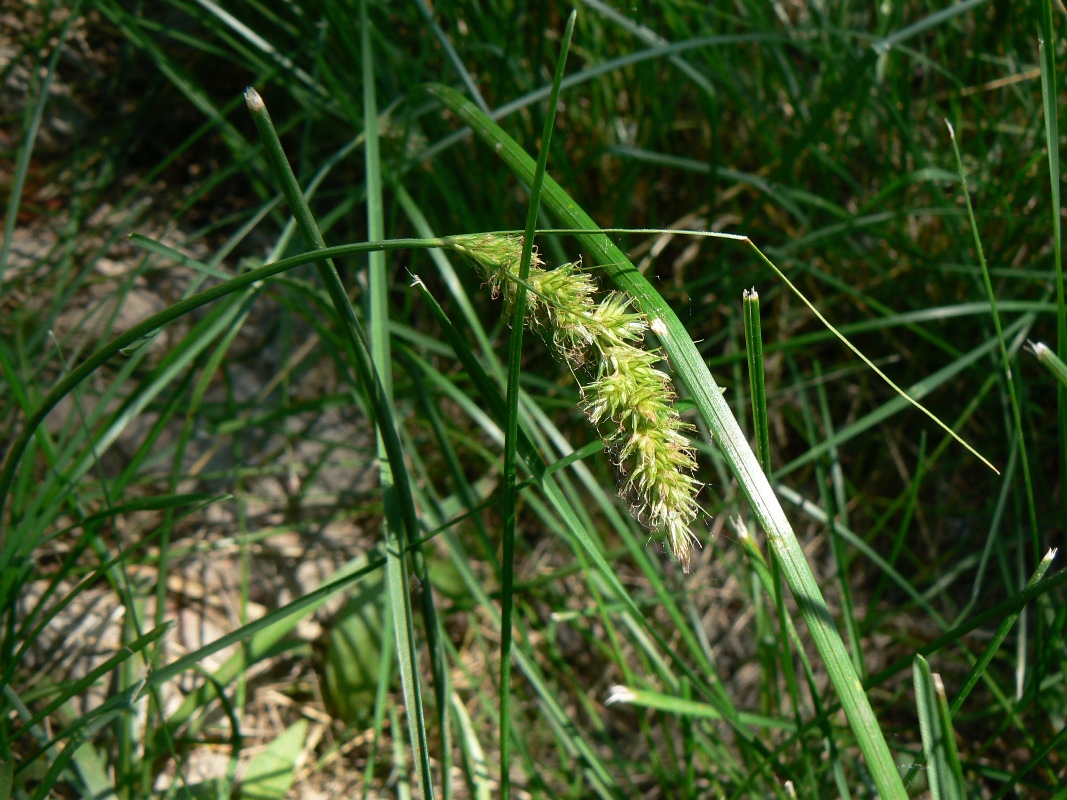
(628, 399)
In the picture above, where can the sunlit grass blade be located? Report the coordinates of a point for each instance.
(646, 698)
(690, 370)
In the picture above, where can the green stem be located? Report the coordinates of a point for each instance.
(1004, 357)
(511, 436)
(397, 495)
(754, 348)
(1049, 93)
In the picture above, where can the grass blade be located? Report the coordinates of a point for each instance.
(270, 773)
(647, 698)
(999, 636)
(772, 578)
(378, 316)
(944, 773)
(1005, 360)
(29, 139)
(690, 369)
(754, 348)
(1049, 82)
(398, 497)
(883, 45)
(518, 324)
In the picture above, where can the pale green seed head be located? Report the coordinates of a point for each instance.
(630, 401)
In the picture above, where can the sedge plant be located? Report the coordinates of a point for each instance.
(808, 129)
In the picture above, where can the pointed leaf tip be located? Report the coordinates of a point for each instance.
(253, 100)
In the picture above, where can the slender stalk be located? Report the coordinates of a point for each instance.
(754, 348)
(999, 635)
(398, 499)
(1004, 357)
(772, 579)
(1049, 82)
(511, 437)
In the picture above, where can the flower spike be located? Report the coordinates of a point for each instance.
(630, 401)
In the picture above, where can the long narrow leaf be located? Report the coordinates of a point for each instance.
(518, 320)
(397, 496)
(943, 770)
(1050, 107)
(690, 369)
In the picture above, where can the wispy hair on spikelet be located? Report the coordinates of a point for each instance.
(629, 400)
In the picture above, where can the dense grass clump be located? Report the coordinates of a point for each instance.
(279, 519)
